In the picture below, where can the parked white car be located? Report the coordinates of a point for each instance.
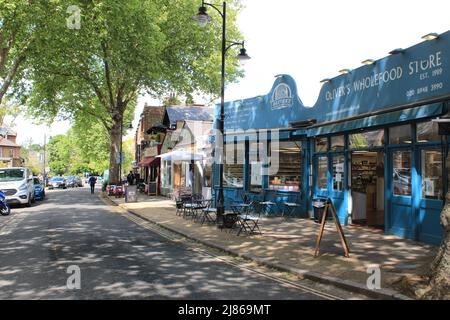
(17, 185)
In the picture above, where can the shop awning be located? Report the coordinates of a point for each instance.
(179, 155)
(377, 120)
(149, 162)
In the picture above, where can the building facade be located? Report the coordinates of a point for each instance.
(10, 151)
(372, 143)
(148, 146)
(185, 151)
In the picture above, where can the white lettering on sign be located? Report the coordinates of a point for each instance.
(424, 69)
(376, 79)
(338, 92)
(432, 61)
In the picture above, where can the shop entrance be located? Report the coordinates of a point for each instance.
(367, 188)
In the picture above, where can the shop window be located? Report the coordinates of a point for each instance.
(257, 158)
(233, 175)
(428, 132)
(289, 175)
(337, 143)
(322, 173)
(233, 167)
(367, 139)
(321, 144)
(400, 135)
(402, 173)
(169, 174)
(432, 174)
(207, 171)
(338, 173)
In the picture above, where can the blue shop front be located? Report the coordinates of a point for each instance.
(373, 143)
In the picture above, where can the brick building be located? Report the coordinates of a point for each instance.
(10, 154)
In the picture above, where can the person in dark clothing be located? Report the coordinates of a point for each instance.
(92, 182)
(130, 178)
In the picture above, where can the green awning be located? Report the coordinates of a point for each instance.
(424, 111)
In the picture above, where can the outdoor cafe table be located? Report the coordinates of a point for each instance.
(267, 206)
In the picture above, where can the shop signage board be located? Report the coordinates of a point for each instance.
(274, 110)
(417, 75)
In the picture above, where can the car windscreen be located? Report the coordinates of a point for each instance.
(11, 175)
(57, 179)
(36, 181)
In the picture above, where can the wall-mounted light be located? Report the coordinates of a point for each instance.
(344, 71)
(430, 36)
(325, 80)
(368, 61)
(397, 51)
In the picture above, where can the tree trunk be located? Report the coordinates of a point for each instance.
(115, 134)
(440, 269)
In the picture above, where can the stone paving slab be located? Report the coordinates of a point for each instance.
(290, 243)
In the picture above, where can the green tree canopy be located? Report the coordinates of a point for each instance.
(121, 49)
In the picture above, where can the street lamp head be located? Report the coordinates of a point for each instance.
(243, 57)
(202, 17)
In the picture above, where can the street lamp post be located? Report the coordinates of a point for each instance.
(203, 18)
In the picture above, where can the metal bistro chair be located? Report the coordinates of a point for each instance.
(207, 211)
(180, 202)
(290, 207)
(190, 209)
(249, 220)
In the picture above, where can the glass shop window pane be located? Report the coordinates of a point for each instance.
(338, 173)
(400, 135)
(428, 132)
(290, 173)
(367, 139)
(322, 173)
(233, 168)
(258, 158)
(207, 171)
(337, 143)
(321, 144)
(402, 173)
(432, 174)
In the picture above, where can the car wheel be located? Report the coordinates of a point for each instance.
(29, 201)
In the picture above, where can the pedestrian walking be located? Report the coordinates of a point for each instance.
(92, 182)
(130, 178)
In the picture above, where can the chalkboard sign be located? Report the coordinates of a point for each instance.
(152, 189)
(131, 194)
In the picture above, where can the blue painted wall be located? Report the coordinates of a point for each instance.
(399, 86)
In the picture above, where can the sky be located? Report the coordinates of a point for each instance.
(310, 40)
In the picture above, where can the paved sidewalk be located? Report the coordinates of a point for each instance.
(289, 244)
